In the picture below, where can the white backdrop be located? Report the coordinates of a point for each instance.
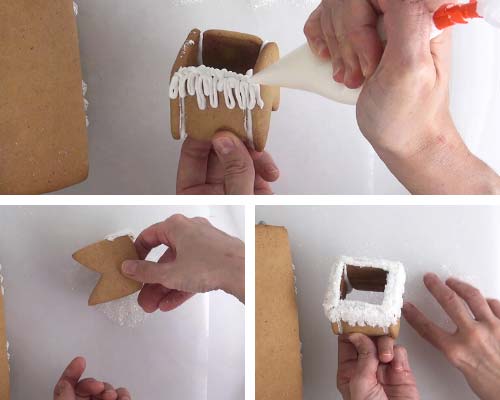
(128, 48)
(195, 352)
(461, 241)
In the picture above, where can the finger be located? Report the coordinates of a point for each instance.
(239, 171)
(346, 350)
(151, 295)
(441, 50)
(385, 346)
(173, 300)
(425, 327)
(262, 187)
(338, 67)
(400, 362)
(265, 166)
(89, 387)
(148, 272)
(215, 174)
(109, 392)
(204, 190)
(74, 371)
(448, 300)
(495, 306)
(158, 234)
(473, 297)
(408, 27)
(314, 34)
(353, 77)
(367, 355)
(64, 391)
(361, 30)
(192, 170)
(123, 394)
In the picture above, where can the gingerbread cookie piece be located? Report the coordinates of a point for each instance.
(216, 92)
(278, 355)
(106, 257)
(42, 118)
(4, 359)
(354, 316)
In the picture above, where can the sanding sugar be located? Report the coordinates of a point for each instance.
(124, 312)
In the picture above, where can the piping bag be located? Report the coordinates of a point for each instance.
(295, 70)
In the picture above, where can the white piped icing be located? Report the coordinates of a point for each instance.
(206, 83)
(360, 313)
(84, 85)
(124, 232)
(7, 344)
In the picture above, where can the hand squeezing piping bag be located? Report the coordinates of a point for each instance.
(303, 70)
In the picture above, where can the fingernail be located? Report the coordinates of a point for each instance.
(224, 145)
(129, 267)
(364, 66)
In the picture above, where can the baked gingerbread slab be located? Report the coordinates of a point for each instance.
(43, 132)
(355, 316)
(106, 257)
(278, 348)
(210, 88)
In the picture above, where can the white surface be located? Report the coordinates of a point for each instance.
(170, 355)
(462, 241)
(128, 48)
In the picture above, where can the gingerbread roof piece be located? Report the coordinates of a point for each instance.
(4, 359)
(355, 316)
(278, 370)
(237, 53)
(43, 132)
(106, 257)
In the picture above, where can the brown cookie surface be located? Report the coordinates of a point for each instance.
(106, 257)
(278, 356)
(4, 362)
(235, 51)
(42, 120)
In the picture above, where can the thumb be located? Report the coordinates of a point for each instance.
(147, 271)
(239, 171)
(64, 391)
(367, 355)
(408, 28)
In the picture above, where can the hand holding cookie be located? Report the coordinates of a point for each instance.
(71, 387)
(362, 373)
(200, 258)
(224, 166)
(474, 348)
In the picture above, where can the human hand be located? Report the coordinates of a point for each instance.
(71, 387)
(403, 109)
(224, 166)
(374, 369)
(199, 259)
(474, 347)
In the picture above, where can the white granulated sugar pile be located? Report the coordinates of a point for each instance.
(124, 312)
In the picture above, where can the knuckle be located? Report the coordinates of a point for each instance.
(450, 297)
(473, 294)
(177, 218)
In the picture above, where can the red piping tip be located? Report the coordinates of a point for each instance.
(451, 14)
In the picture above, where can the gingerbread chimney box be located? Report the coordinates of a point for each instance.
(354, 316)
(210, 87)
(43, 134)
